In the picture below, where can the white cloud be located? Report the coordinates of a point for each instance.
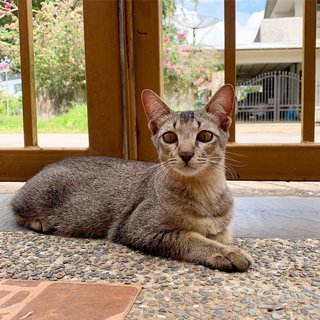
(247, 32)
(247, 26)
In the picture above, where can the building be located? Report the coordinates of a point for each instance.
(269, 70)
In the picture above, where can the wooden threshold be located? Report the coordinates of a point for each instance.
(20, 164)
(283, 162)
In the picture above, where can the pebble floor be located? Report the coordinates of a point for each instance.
(283, 283)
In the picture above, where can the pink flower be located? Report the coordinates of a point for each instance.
(187, 48)
(166, 41)
(7, 5)
(184, 53)
(207, 84)
(69, 4)
(175, 68)
(182, 36)
(54, 10)
(166, 50)
(198, 82)
(167, 64)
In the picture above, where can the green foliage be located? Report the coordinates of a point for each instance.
(11, 124)
(168, 8)
(73, 121)
(59, 49)
(58, 44)
(10, 105)
(185, 65)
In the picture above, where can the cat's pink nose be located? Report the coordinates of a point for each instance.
(186, 155)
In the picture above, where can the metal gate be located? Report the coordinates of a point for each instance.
(270, 97)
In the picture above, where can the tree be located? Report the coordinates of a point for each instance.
(58, 48)
(59, 52)
(186, 66)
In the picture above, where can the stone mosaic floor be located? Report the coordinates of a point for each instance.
(283, 283)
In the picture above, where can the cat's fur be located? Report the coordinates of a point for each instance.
(180, 208)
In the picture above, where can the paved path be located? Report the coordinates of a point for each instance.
(252, 133)
(47, 140)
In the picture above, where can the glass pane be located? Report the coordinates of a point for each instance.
(269, 70)
(11, 123)
(60, 73)
(192, 52)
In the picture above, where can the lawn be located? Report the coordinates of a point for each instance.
(73, 121)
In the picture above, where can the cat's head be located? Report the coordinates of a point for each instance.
(190, 142)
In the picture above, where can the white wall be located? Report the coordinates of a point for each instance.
(281, 30)
(9, 87)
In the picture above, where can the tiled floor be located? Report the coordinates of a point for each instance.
(44, 300)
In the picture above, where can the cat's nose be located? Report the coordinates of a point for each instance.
(186, 155)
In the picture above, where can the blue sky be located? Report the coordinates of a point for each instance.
(249, 14)
(215, 7)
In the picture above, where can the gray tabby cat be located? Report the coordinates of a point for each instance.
(180, 208)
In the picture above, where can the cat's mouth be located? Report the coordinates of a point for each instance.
(187, 169)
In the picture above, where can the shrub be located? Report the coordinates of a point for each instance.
(10, 105)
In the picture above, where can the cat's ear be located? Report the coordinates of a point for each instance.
(221, 105)
(154, 108)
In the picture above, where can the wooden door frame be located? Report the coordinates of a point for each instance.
(120, 65)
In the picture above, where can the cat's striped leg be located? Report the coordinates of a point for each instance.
(34, 223)
(191, 247)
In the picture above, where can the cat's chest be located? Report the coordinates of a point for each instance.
(207, 225)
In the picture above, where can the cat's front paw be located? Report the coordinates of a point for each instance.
(231, 259)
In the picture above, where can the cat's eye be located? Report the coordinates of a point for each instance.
(170, 137)
(205, 136)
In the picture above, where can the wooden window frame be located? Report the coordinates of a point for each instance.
(123, 58)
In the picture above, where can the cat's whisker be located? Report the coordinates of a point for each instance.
(237, 154)
(231, 171)
(233, 160)
(226, 167)
(237, 165)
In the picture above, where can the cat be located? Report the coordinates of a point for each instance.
(179, 208)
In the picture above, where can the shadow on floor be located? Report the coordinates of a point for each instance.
(255, 217)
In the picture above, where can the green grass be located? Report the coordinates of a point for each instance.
(73, 121)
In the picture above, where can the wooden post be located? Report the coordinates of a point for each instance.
(101, 35)
(230, 54)
(147, 65)
(27, 73)
(309, 70)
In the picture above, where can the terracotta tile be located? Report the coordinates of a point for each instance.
(44, 300)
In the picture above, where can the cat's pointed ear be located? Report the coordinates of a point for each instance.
(221, 105)
(154, 108)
